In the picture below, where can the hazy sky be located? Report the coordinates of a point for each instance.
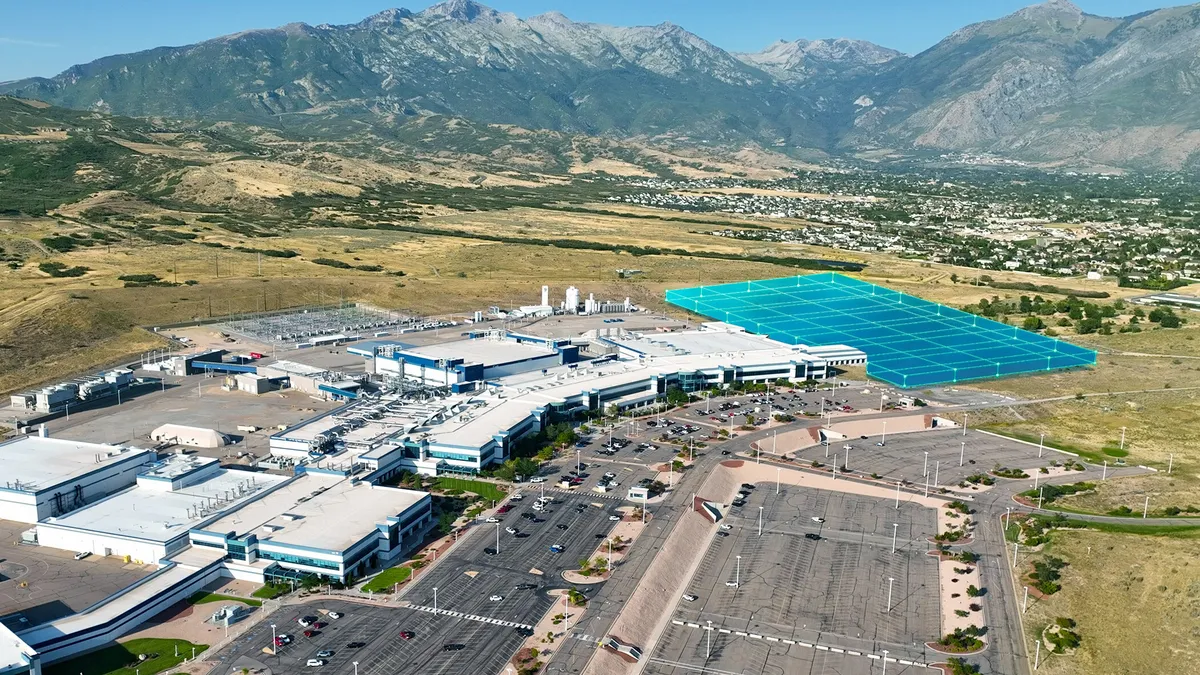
(44, 37)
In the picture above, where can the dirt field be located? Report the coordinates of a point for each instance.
(1135, 599)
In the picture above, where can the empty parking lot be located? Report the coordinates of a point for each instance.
(787, 601)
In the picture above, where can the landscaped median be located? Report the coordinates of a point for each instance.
(140, 656)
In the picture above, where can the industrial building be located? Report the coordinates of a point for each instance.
(61, 396)
(151, 520)
(533, 384)
(321, 522)
(16, 657)
(46, 477)
(465, 365)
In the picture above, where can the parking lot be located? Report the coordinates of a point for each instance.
(192, 401)
(43, 584)
(789, 599)
(903, 455)
(520, 573)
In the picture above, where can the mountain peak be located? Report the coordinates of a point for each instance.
(1052, 9)
(460, 10)
(388, 17)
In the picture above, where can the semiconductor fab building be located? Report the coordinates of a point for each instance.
(195, 522)
(504, 386)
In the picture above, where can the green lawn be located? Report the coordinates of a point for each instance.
(203, 597)
(484, 489)
(388, 578)
(270, 592)
(122, 658)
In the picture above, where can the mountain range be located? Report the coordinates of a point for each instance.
(1048, 84)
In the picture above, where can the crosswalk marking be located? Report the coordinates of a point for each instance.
(471, 617)
(824, 648)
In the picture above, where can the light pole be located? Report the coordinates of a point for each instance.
(937, 469)
(355, 667)
(775, 437)
(497, 538)
(964, 424)
(737, 580)
(847, 465)
(897, 494)
(760, 510)
(885, 653)
(962, 451)
(925, 469)
(1104, 472)
(1146, 508)
(889, 602)
(895, 529)
(1016, 552)
(435, 599)
(777, 480)
(708, 647)
(1170, 463)
(1041, 492)
(1041, 444)
(1025, 602)
(884, 439)
(881, 397)
(274, 646)
(1122, 438)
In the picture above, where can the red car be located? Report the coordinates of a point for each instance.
(309, 633)
(407, 635)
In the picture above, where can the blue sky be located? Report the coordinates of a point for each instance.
(44, 37)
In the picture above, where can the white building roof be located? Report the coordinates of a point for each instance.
(320, 511)
(157, 515)
(483, 351)
(13, 652)
(33, 463)
(294, 368)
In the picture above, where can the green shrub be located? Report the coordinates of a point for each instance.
(59, 270)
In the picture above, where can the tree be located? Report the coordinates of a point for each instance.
(677, 396)
(1032, 323)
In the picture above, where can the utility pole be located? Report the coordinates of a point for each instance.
(895, 529)
(962, 451)
(889, 602)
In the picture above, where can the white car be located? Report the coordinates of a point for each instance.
(517, 497)
(537, 506)
(316, 662)
(731, 584)
(334, 615)
(818, 519)
(492, 519)
(610, 475)
(496, 598)
(537, 479)
(725, 526)
(510, 530)
(690, 598)
(614, 518)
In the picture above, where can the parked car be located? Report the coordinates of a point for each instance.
(812, 535)
(496, 598)
(510, 530)
(492, 519)
(731, 584)
(407, 635)
(818, 519)
(453, 647)
(722, 534)
(537, 479)
(726, 526)
(324, 654)
(557, 548)
(690, 598)
(316, 662)
(334, 615)
(614, 517)
(82, 554)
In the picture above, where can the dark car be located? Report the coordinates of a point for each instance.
(490, 551)
(356, 645)
(724, 452)
(812, 535)
(739, 503)
(525, 587)
(722, 534)
(523, 632)
(561, 526)
(747, 486)
(407, 635)
(453, 647)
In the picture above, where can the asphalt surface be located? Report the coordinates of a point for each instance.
(831, 592)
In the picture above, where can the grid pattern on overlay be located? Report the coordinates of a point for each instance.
(909, 342)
